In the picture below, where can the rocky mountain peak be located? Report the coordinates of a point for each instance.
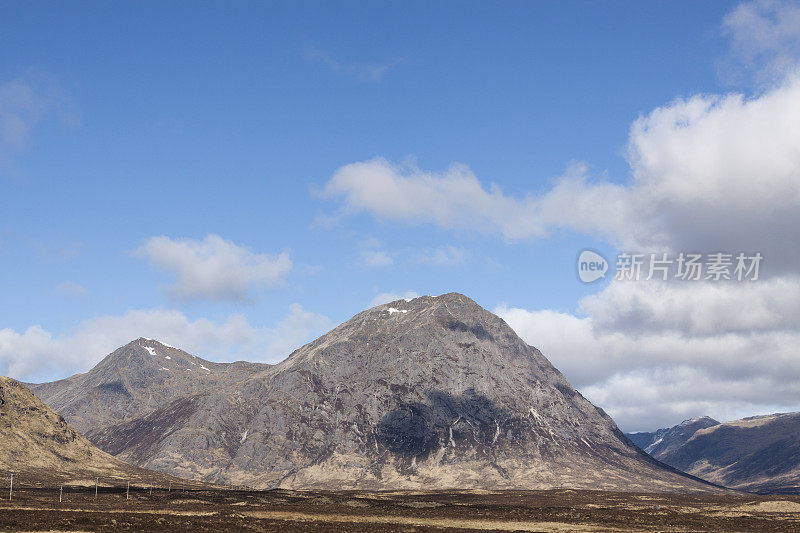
(134, 379)
(143, 355)
(449, 332)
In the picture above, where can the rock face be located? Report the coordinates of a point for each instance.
(434, 392)
(135, 379)
(758, 454)
(665, 441)
(38, 446)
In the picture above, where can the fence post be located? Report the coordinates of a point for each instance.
(96, 480)
(11, 487)
(128, 491)
(60, 492)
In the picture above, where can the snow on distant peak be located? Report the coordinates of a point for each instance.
(159, 342)
(392, 310)
(693, 420)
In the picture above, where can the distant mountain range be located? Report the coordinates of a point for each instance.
(434, 392)
(40, 448)
(757, 454)
(665, 440)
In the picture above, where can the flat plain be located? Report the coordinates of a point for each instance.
(38, 509)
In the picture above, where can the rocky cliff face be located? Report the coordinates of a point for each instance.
(434, 392)
(39, 447)
(136, 379)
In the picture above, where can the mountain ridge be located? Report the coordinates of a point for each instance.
(433, 392)
(757, 453)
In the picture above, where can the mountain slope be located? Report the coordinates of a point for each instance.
(37, 445)
(643, 439)
(759, 454)
(435, 392)
(664, 441)
(133, 380)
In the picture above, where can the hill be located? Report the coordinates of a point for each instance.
(38, 446)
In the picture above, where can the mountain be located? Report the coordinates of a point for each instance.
(663, 441)
(434, 392)
(135, 379)
(757, 454)
(38, 446)
(643, 439)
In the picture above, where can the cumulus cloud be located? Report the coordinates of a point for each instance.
(697, 309)
(719, 173)
(38, 354)
(214, 268)
(386, 297)
(732, 345)
(764, 38)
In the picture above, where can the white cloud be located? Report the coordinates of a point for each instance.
(708, 173)
(37, 354)
(455, 199)
(376, 258)
(214, 268)
(653, 354)
(386, 297)
(70, 289)
(444, 256)
(719, 173)
(363, 72)
(764, 38)
(697, 309)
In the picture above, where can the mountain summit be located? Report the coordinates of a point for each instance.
(133, 380)
(434, 392)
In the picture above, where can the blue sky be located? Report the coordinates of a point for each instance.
(133, 121)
